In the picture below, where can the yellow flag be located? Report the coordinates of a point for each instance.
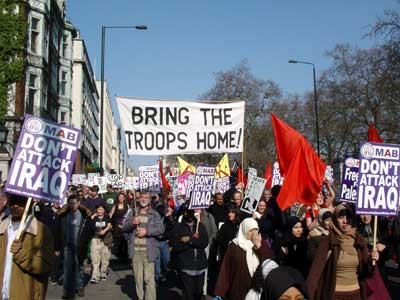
(185, 167)
(222, 169)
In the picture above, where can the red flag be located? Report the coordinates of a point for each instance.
(268, 176)
(373, 135)
(303, 170)
(241, 177)
(170, 171)
(164, 180)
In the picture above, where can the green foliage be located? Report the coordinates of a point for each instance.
(13, 31)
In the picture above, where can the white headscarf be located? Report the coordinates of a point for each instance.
(247, 245)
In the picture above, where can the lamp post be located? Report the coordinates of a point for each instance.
(103, 41)
(292, 61)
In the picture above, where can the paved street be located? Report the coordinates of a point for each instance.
(118, 286)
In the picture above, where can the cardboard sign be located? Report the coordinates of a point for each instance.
(202, 190)
(251, 173)
(116, 180)
(169, 127)
(91, 178)
(78, 179)
(182, 182)
(378, 179)
(329, 174)
(222, 184)
(149, 178)
(277, 179)
(43, 160)
(348, 191)
(189, 186)
(253, 194)
(101, 182)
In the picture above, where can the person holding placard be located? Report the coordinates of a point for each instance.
(145, 224)
(342, 262)
(188, 241)
(25, 263)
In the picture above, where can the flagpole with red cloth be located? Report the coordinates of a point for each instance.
(302, 168)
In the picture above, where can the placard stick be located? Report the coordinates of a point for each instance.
(375, 234)
(198, 222)
(21, 225)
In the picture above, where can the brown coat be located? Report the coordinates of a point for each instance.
(32, 264)
(321, 280)
(234, 279)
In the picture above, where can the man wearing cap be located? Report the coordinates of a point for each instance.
(25, 263)
(145, 226)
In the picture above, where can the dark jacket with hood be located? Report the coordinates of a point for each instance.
(86, 230)
(190, 255)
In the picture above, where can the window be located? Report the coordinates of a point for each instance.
(63, 115)
(34, 34)
(63, 83)
(64, 46)
(31, 93)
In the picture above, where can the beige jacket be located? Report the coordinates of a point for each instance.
(32, 264)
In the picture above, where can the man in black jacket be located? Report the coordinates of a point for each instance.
(76, 228)
(190, 257)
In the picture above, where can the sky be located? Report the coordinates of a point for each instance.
(187, 42)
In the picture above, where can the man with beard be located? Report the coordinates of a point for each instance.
(145, 225)
(25, 263)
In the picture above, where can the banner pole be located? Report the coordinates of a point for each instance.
(375, 235)
(21, 225)
(198, 222)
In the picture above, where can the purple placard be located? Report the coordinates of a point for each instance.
(43, 160)
(200, 196)
(348, 192)
(378, 179)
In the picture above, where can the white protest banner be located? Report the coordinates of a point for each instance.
(202, 190)
(222, 184)
(378, 179)
(149, 178)
(277, 179)
(251, 173)
(348, 191)
(131, 183)
(173, 182)
(253, 194)
(116, 180)
(78, 179)
(152, 127)
(43, 160)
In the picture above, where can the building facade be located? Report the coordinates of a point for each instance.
(85, 106)
(38, 91)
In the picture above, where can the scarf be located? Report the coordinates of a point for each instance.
(252, 260)
(320, 229)
(346, 239)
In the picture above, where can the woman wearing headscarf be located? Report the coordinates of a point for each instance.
(291, 250)
(243, 256)
(318, 232)
(342, 262)
(283, 282)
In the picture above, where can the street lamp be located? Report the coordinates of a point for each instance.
(103, 41)
(292, 61)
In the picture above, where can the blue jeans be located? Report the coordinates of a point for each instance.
(73, 271)
(162, 260)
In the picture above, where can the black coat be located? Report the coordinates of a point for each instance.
(226, 234)
(52, 220)
(190, 255)
(219, 212)
(86, 230)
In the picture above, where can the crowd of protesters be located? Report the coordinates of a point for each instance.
(322, 252)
